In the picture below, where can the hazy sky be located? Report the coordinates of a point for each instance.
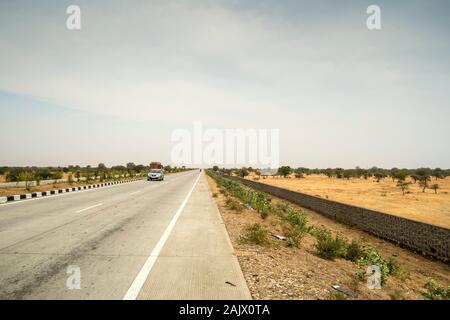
(114, 91)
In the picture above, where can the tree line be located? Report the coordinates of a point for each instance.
(423, 176)
(75, 172)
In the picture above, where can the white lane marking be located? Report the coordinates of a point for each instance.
(135, 192)
(91, 207)
(140, 279)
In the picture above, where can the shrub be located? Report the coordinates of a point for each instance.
(291, 242)
(436, 292)
(337, 296)
(393, 267)
(281, 208)
(234, 205)
(296, 218)
(293, 235)
(260, 203)
(373, 257)
(56, 175)
(13, 175)
(256, 199)
(354, 251)
(327, 246)
(254, 234)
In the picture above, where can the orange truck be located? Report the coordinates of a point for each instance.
(156, 165)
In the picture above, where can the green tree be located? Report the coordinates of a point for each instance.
(243, 172)
(379, 175)
(400, 175)
(328, 172)
(131, 167)
(284, 171)
(359, 172)
(339, 173)
(423, 175)
(168, 169)
(347, 174)
(438, 173)
(28, 176)
(140, 168)
(88, 173)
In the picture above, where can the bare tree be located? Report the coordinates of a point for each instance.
(403, 185)
(435, 187)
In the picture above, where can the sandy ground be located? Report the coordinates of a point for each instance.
(278, 272)
(383, 196)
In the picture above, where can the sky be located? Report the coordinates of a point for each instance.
(114, 91)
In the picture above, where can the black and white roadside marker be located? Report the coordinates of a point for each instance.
(41, 194)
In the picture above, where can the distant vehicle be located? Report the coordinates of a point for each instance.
(155, 174)
(156, 165)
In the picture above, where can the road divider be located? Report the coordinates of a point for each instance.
(33, 195)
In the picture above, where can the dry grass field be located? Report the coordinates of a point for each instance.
(382, 196)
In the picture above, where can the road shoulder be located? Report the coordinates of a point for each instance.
(197, 261)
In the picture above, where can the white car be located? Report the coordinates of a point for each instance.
(155, 174)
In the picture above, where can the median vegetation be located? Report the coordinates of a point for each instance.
(89, 173)
(33, 177)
